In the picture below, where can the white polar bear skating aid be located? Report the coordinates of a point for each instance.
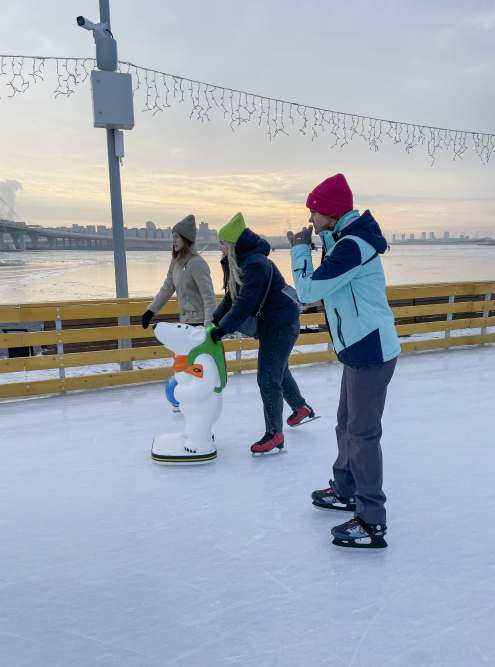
(201, 376)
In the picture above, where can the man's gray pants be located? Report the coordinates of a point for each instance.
(358, 470)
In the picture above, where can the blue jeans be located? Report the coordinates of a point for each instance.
(274, 377)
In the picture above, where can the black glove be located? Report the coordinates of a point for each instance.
(217, 334)
(146, 319)
(215, 319)
(301, 238)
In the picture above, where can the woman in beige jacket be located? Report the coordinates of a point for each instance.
(189, 276)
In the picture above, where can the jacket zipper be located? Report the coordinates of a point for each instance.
(183, 277)
(339, 328)
(303, 269)
(354, 299)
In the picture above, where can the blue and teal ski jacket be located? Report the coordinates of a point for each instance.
(351, 283)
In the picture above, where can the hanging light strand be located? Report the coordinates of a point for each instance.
(161, 91)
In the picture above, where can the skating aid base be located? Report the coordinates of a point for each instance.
(306, 421)
(169, 449)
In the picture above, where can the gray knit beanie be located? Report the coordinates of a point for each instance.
(186, 228)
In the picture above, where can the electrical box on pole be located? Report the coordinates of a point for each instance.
(106, 54)
(113, 107)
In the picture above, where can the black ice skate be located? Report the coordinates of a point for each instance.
(302, 415)
(328, 500)
(357, 534)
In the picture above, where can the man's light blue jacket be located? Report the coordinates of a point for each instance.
(351, 283)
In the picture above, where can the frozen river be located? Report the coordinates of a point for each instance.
(29, 277)
(108, 559)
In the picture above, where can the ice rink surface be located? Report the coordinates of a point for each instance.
(108, 559)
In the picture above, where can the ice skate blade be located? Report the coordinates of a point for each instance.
(271, 452)
(376, 545)
(330, 507)
(306, 421)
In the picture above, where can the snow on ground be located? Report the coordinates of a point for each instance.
(109, 559)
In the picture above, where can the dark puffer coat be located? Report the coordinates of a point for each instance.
(279, 310)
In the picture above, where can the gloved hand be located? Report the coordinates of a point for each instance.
(146, 319)
(304, 237)
(215, 319)
(217, 334)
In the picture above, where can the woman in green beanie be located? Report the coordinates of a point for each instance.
(189, 276)
(249, 277)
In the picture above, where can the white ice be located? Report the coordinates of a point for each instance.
(109, 559)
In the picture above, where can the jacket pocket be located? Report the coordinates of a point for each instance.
(339, 328)
(354, 299)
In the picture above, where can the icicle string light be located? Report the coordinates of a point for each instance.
(278, 117)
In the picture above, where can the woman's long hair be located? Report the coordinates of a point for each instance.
(232, 273)
(187, 250)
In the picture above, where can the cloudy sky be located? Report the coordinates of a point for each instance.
(415, 61)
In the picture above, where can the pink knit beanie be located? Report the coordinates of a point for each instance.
(333, 197)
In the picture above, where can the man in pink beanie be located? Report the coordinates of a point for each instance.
(351, 283)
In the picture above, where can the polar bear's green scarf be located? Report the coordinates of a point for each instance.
(214, 350)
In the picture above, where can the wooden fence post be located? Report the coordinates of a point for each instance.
(60, 348)
(486, 313)
(449, 317)
(238, 354)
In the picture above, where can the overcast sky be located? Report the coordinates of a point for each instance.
(416, 61)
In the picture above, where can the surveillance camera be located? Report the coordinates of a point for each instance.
(99, 29)
(85, 23)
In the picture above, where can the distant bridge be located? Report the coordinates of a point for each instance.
(24, 236)
(34, 237)
(27, 237)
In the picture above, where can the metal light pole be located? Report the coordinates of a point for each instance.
(122, 289)
(119, 259)
(112, 110)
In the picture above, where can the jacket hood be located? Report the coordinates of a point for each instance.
(365, 227)
(249, 243)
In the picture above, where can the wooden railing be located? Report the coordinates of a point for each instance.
(418, 309)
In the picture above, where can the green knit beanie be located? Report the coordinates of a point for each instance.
(233, 229)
